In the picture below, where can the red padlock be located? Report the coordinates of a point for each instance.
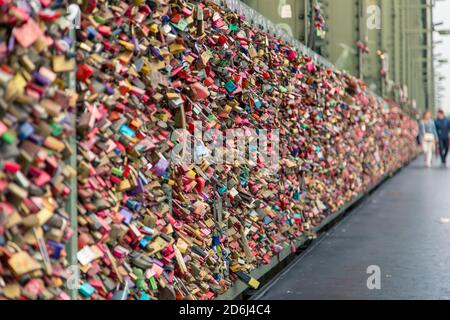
(84, 72)
(200, 184)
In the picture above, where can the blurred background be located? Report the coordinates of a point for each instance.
(358, 36)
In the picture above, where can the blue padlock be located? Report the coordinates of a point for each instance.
(86, 290)
(230, 86)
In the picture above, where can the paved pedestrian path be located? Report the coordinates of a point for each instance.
(403, 228)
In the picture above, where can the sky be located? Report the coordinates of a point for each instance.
(441, 14)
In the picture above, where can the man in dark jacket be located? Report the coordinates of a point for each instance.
(443, 129)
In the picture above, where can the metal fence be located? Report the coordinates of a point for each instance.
(254, 18)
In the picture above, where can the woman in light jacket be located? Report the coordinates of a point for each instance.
(428, 137)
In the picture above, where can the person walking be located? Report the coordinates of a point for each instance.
(428, 137)
(443, 128)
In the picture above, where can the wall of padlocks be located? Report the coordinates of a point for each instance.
(149, 227)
